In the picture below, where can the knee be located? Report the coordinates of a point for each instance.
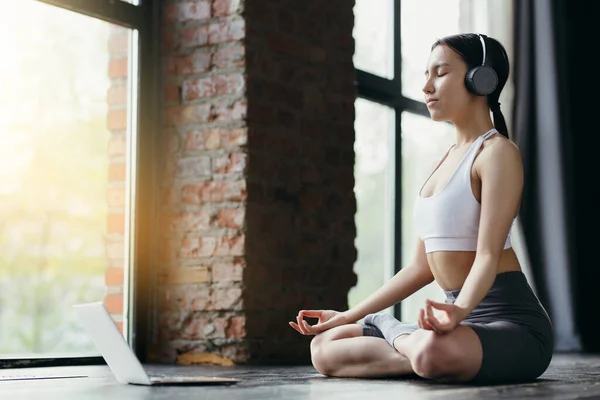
(430, 359)
(318, 355)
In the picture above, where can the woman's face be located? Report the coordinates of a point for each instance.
(445, 92)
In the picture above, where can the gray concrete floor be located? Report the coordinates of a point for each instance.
(569, 377)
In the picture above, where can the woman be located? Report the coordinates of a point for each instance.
(491, 327)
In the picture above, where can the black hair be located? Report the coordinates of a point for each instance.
(468, 46)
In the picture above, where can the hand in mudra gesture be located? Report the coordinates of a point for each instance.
(327, 320)
(440, 317)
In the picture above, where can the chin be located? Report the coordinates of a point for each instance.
(436, 117)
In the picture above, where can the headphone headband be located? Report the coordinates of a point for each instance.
(484, 48)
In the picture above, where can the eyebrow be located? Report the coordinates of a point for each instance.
(442, 64)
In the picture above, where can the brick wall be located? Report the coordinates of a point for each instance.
(257, 203)
(118, 47)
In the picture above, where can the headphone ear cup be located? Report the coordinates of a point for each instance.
(481, 80)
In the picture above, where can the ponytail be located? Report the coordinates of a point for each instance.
(499, 121)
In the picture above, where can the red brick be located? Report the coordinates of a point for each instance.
(115, 223)
(226, 31)
(214, 191)
(224, 8)
(117, 146)
(171, 93)
(169, 39)
(114, 276)
(227, 271)
(117, 67)
(172, 141)
(114, 303)
(117, 120)
(231, 217)
(202, 327)
(200, 299)
(115, 249)
(234, 138)
(192, 10)
(229, 246)
(115, 197)
(211, 139)
(237, 327)
(238, 353)
(226, 299)
(207, 139)
(199, 247)
(187, 64)
(215, 85)
(229, 56)
(193, 37)
(193, 167)
(190, 222)
(117, 95)
(169, 17)
(230, 163)
(187, 298)
(116, 171)
(187, 115)
(186, 275)
(230, 111)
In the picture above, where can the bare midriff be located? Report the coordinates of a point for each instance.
(451, 268)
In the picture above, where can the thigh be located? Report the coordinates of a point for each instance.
(511, 352)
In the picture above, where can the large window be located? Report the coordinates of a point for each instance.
(68, 168)
(374, 190)
(393, 41)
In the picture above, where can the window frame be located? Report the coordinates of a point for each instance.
(145, 18)
(389, 92)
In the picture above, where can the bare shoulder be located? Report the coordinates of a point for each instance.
(500, 151)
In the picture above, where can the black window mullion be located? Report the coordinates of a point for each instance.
(397, 256)
(116, 12)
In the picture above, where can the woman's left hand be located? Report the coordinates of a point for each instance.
(440, 317)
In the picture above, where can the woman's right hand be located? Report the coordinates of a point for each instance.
(327, 319)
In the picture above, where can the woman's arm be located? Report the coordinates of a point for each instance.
(406, 282)
(501, 176)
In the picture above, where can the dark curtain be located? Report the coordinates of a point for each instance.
(556, 128)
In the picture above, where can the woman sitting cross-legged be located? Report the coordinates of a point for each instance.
(491, 327)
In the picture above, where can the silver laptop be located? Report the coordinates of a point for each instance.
(120, 358)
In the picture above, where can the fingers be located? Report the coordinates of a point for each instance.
(310, 313)
(423, 324)
(431, 319)
(303, 327)
(300, 324)
(439, 306)
(295, 326)
(434, 324)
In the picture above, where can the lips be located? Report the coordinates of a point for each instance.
(431, 102)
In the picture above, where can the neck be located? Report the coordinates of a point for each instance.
(474, 124)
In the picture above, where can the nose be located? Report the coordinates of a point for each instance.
(428, 86)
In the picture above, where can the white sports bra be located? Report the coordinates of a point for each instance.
(449, 219)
